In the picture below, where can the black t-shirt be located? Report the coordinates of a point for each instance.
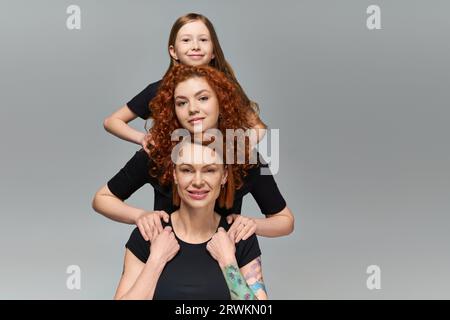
(193, 274)
(136, 173)
(140, 103)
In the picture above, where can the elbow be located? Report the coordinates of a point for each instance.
(96, 202)
(291, 226)
(291, 222)
(107, 123)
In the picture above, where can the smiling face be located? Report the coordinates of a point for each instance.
(193, 45)
(199, 175)
(196, 105)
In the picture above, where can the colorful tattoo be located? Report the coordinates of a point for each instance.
(257, 286)
(254, 276)
(236, 284)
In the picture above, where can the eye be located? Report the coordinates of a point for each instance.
(204, 40)
(185, 40)
(204, 98)
(185, 170)
(211, 170)
(181, 103)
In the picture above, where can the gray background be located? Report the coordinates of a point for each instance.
(363, 125)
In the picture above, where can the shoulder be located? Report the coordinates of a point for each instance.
(256, 168)
(153, 87)
(139, 162)
(142, 156)
(136, 236)
(155, 84)
(138, 246)
(256, 173)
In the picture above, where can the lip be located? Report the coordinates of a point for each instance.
(196, 56)
(196, 120)
(198, 194)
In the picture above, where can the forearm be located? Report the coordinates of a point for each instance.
(115, 209)
(277, 225)
(144, 287)
(123, 131)
(239, 289)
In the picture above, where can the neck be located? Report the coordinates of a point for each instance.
(195, 225)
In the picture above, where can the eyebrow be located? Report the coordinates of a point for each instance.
(197, 94)
(204, 166)
(190, 35)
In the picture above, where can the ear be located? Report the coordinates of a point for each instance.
(172, 52)
(174, 177)
(213, 56)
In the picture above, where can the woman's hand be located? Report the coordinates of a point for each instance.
(164, 247)
(222, 248)
(147, 139)
(242, 227)
(149, 224)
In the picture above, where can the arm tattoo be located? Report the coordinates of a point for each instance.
(254, 276)
(236, 283)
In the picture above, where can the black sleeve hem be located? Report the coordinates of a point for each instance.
(265, 191)
(131, 177)
(248, 250)
(248, 259)
(138, 111)
(275, 209)
(137, 245)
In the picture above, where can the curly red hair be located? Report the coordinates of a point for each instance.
(232, 115)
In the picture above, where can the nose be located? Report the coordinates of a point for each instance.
(193, 108)
(195, 45)
(197, 181)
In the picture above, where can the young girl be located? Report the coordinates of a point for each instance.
(192, 41)
(189, 97)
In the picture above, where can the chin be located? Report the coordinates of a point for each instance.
(197, 129)
(198, 204)
(188, 127)
(195, 63)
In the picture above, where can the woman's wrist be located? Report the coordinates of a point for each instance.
(258, 222)
(137, 215)
(140, 136)
(226, 261)
(157, 262)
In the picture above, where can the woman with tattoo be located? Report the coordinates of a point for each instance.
(194, 257)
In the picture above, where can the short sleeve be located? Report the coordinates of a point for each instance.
(140, 103)
(265, 191)
(131, 177)
(138, 246)
(247, 250)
